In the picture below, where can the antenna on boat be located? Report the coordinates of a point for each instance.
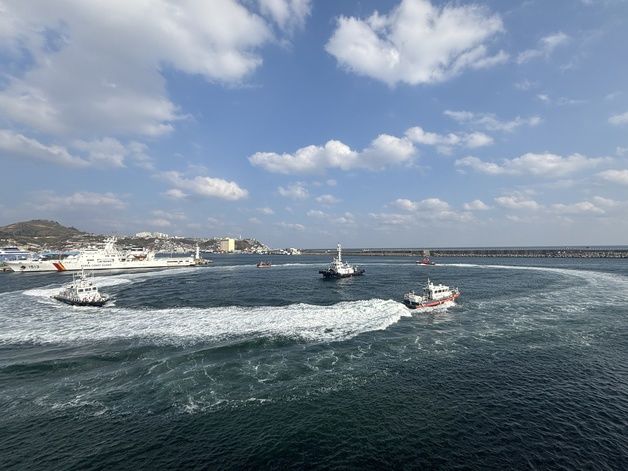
(339, 253)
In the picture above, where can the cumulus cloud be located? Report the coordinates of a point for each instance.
(445, 142)
(50, 201)
(266, 210)
(583, 207)
(545, 48)
(296, 191)
(287, 14)
(175, 193)
(106, 152)
(327, 199)
(204, 186)
(619, 119)
(429, 204)
(433, 209)
(490, 122)
(476, 205)
(18, 145)
(517, 201)
(417, 42)
(615, 176)
(541, 165)
(95, 68)
(316, 213)
(384, 150)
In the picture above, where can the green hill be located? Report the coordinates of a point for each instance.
(39, 233)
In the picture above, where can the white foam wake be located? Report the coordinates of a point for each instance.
(191, 325)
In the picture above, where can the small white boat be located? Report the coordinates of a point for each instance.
(339, 269)
(81, 292)
(263, 264)
(433, 295)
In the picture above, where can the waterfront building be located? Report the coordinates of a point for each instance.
(226, 245)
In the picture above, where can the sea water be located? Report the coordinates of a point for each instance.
(231, 366)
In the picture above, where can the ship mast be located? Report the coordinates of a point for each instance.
(339, 253)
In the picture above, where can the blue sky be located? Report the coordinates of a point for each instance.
(303, 123)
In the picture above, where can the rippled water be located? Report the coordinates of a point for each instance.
(232, 366)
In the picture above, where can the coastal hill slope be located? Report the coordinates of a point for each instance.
(38, 228)
(40, 233)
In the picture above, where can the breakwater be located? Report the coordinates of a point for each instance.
(507, 252)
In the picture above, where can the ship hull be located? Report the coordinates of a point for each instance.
(74, 265)
(434, 303)
(76, 302)
(335, 275)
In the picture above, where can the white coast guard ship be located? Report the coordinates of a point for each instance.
(109, 257)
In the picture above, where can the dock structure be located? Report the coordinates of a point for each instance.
(505, 252)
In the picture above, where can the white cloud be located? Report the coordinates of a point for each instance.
(315, 213)
(14, 144)
(429, 204)
(445, 142)
(621, 151)
(106, 152)
(615, 176)
(291, 226)
(204, 186)
(267, 211)
(490, 122)
(50, 201)
(96, 67)
(288, 14)
(427, 209)
(417, 42)
(517, 201)
(542, 165)
(327, 199)
(384, 150)
(295, 191)
(619, 119)
(175, 194)
(476, 205)
(393, 219)
(254, 220)
(583, 207)
(546, 46)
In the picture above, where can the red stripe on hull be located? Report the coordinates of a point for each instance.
(436, 303)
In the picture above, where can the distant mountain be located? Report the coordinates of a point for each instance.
(38, 228)
(41, 234)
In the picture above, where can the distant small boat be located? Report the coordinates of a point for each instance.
(433, 295)
(263, 264)
(81, 292)
(425, 261)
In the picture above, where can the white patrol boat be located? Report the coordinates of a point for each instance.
(81, 292)
(339, 269)
(109, 257)
(433, 295)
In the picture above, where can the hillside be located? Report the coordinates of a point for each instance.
(40, 234)
(38, 228)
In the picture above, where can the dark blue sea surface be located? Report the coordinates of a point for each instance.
(230, 366)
